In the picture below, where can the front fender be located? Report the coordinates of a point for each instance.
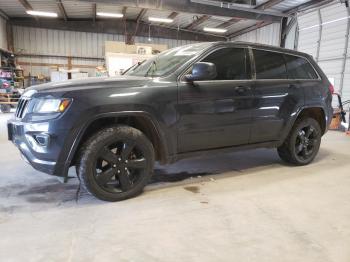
(73, 141)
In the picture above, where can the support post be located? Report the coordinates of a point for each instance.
(283, 31)
(9, 35)
(319, 35)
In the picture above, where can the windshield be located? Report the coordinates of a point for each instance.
(167, 61)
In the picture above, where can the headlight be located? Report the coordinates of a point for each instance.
(51, 105)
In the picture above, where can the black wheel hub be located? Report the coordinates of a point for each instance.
(305, 142)
(119, 166)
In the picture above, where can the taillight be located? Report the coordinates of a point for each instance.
(6, 85)
(331, 88)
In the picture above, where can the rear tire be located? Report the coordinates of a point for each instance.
(5, 108)
(303, 142)
(116, 163)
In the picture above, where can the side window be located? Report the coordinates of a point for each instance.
(231, 63)
(269, 65)
(299, 68)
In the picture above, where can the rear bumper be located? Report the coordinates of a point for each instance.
(329, 116)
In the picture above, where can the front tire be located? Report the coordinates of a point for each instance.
(303, 142)
(116, 163)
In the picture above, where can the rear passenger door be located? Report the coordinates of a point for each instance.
(310, 83)
(276, 95)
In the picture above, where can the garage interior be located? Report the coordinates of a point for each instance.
(243, 206)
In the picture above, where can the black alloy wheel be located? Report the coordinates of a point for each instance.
(306, 142)
(116, 163)
(119, 166)
(303, 142)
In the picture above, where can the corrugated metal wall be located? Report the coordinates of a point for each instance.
(87, 47)
(269, 35)
(3, 36)
(324, 33)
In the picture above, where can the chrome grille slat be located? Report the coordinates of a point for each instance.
(21, 107)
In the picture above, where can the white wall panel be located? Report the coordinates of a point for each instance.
(332, 45)
(333, 31)
(308, 33)
(269, 35)
(3, 35)
(49, 42)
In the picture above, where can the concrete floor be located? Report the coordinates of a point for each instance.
(245, 206)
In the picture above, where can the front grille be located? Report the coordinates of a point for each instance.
(21, 107)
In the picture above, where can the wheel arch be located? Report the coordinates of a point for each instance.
(139, 120)
(316, 112)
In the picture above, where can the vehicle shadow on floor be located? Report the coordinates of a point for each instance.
(51, 192)
(237, 162)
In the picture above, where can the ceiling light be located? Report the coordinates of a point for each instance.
(215, 30)
(114, 15)
(41, 13)
(162, 20)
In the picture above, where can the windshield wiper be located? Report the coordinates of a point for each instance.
(153, 66)
(133, 67)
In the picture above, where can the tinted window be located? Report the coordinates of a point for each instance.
(299, 68)
(269, 65)
(231, 63)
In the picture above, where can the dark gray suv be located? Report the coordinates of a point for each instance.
(186, 101)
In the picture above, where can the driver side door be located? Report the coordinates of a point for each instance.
(217, 113)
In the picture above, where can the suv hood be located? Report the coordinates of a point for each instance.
(92, 83)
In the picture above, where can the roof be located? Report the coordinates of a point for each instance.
(186, 21)
(256, 45)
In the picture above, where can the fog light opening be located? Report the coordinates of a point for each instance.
(42, 139)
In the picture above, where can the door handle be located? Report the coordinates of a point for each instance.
(241, 89)
(292, 86)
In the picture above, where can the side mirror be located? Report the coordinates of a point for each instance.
(202, 71)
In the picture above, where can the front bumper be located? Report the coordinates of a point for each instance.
(42, 158)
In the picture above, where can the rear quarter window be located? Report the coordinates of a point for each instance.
(299, 68)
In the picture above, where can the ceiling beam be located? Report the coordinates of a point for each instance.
(197, 22)
(26, 5)
(263, 6)
(304, 6)
(141, 14)
(307, 5)
(173, 15)
(228, 23)
(268, 4)
(62, 10)
(111, 27)
(130, 39)
(124, 11)
(4, 15)
(190, 6)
